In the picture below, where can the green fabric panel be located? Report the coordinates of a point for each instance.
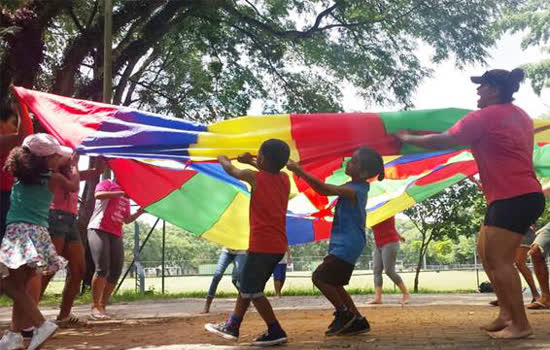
(541, 159)
(197, 205)
(419, 193)
(339, 176)
(437, 120)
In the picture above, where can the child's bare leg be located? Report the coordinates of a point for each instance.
(265, 310)
(241, 306)
(348, 301)
(24, 307)
(330, 292)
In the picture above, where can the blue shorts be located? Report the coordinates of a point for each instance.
(256, 271)
(279, 273)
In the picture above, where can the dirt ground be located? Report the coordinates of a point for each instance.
(410, 327)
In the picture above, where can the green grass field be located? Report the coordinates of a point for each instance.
(444, 281)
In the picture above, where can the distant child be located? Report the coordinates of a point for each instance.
(347, 238)
(268, 241)
(26, 246)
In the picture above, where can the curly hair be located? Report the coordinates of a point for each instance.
(26, 167)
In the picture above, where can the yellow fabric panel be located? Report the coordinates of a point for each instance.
(244, 134)
(396, 205)
(231, 230)
(543, 132)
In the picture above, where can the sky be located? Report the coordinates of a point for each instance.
(451, 87)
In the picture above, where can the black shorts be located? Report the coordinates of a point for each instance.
(515, 214)
(256, 271)
(334, 271)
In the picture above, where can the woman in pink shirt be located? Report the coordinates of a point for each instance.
(112, 209)
(501, 138)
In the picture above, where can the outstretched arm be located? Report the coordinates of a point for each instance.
(134, 216)
(319, 186)
(241, 174)
(431, 141)
(24, 128)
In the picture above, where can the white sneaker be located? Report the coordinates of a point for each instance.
(41, 334)
(11, 341)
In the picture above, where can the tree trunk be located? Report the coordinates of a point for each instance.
(419, 264)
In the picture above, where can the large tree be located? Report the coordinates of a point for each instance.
(533, 18)
(208, 59)
(455, 212)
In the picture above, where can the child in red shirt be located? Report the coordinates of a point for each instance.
(268, 241)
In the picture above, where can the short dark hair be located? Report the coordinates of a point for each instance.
(505, 81)
(276, 153)
(370, 162)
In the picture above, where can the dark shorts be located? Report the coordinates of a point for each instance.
(334, 271)
(515, 214)
(63, 225)
(256, 271)
(4, 207)
(279, 273)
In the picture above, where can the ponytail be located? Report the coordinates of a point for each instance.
(515, 77)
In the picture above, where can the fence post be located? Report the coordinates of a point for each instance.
(140, 273)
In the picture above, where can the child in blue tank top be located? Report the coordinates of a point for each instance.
(26, 245)
(347, 238)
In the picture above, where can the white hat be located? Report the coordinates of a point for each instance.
(43, 145)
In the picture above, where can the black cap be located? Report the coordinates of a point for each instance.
(494, 77)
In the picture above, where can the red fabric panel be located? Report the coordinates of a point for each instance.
(321, 229)
(403, 171)
(467, 168)
(314, 137)
(67, 119)
(154, 183)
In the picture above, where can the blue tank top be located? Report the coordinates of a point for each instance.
(30, 204)
(347, 238)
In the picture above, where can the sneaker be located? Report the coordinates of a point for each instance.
(27, 333)
(41, 334)
(359, 326)
(11, 341)
(269, 339)
(342, 320)
(223, 329)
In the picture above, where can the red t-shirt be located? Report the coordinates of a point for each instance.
(385, 232)
(501, 140)
(268, 207)
(6, 178)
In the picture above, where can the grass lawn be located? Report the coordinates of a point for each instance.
(443, 281)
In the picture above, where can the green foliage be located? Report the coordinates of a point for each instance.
(206, 60)
(182, 248)
(449, 215)
(532, 16)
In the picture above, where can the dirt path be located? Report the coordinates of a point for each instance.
(411, 327)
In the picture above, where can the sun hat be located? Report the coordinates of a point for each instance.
(44, 145)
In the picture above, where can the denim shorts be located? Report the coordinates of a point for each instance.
(256, 271)
(63, 225)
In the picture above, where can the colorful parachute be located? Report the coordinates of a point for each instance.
(167, 165)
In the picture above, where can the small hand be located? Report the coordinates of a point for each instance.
(401, 238)
(293, 166)
(403, 136)
(246, 158)
(222, 159)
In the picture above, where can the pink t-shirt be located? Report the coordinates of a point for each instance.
(501, 139)
(109, 214)
(65, 201)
